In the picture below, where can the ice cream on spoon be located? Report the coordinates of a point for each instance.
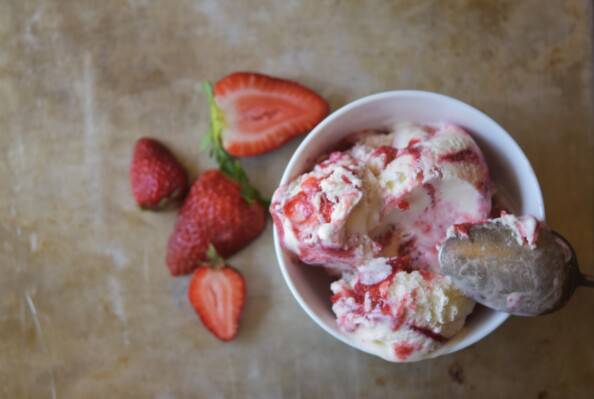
(512, 264)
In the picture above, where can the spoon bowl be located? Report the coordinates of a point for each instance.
(491, 266)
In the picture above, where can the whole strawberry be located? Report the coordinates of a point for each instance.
(156, 177)
(217, 293)
(214, 212)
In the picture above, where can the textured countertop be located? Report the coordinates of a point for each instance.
(87, 307)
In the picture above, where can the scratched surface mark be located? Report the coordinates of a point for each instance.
(87, 307)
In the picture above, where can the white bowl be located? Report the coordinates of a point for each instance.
(510, 170)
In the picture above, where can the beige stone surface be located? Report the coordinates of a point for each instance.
(87, 307)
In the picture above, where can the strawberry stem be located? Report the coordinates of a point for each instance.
(213, 257)
(228, 164)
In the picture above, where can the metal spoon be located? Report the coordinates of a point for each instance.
(495, 270)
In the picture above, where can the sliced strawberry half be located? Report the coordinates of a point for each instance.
(260, 112)
(217, 293)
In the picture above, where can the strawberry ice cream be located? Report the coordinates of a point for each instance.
(399, 313)
(390, 194)
(324, 216)
(389, 200)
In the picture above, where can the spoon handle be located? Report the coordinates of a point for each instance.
(586, 281)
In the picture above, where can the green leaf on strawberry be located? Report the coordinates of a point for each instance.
(228, 164)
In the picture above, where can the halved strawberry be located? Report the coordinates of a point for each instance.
(260, 113)
(217, 293)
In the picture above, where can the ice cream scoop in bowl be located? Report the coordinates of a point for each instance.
(510, 171)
